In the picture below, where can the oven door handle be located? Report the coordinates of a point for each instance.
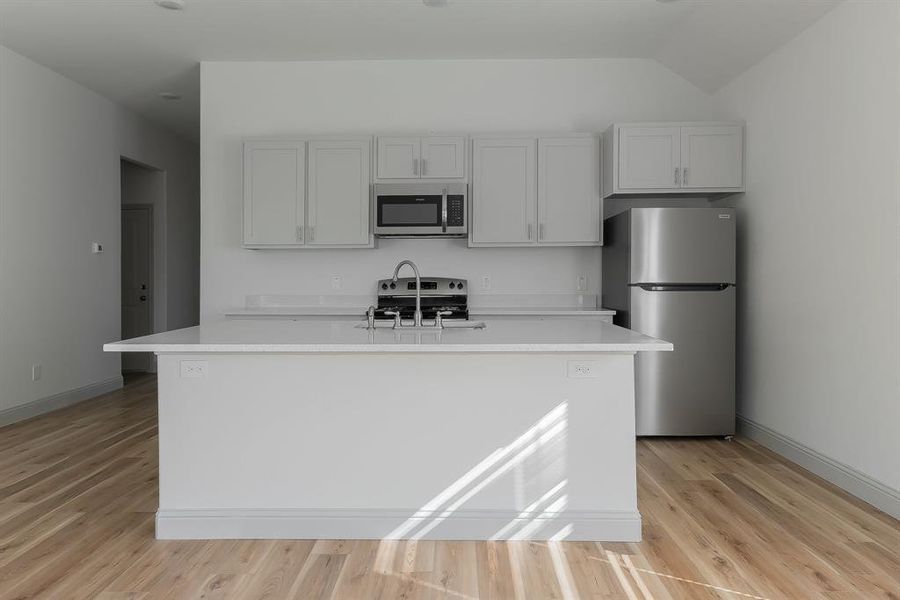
(444, 210)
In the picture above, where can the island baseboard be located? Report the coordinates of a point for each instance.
(188, 524)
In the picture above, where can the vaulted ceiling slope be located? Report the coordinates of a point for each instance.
(132, 50)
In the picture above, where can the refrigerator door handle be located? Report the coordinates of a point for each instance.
(682, 287)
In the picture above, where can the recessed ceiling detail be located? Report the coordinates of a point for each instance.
(128, 51)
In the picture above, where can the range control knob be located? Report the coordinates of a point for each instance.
(384, 286)
(452, 285)
(393, 285)
(459, 285)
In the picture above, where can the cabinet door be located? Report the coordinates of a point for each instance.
(443, 157)
(568, 190)
(649, 157)
(712, 156)
(503, 191)
(398, 157)
(273, 193)
(338, 195)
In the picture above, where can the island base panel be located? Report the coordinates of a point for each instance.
(398, 446)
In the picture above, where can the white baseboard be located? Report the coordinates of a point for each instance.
(57, 401)
(189, 524)
(845, 477)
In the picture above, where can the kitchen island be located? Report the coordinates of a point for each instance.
(326, 429)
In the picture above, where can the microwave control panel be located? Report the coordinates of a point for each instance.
(455, 211)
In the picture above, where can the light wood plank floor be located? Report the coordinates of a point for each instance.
(78, 489)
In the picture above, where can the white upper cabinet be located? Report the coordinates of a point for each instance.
(712, 157)
(530, 191)
(307, 193)
(443, 157)
(649, 157)
(338, 193)
(673, 158)
(398, 157)
(436, 157)
(503, 192)
(274, 193)
(568, 181)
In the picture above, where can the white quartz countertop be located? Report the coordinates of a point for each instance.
(475, 311)
(343, 336)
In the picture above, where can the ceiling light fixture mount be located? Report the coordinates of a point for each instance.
(170, 96)
(171, 4)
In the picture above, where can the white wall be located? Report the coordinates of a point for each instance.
(242, 99)
(60, 147)
(819, 272)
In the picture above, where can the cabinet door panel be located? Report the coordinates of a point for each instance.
(503, 191)
(273, 193)
(568, 190)
(712, 157)
(338, 193)
(398, 157)
(443, 157)
(649, 157)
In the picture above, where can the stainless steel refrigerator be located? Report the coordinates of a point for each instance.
(670, 274)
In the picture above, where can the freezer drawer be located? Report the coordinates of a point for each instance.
(682, 245)
(690, 391)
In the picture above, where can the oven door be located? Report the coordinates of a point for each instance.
(419, 210)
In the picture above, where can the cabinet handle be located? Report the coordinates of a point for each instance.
(676, 176)
(684, 173)
(529, 232)
(299, 233)
(415, 166)
(312, 233)
(541, 232)
(424, 166)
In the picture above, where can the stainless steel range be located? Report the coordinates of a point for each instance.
(446, 294)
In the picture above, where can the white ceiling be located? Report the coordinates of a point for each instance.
(131, 50)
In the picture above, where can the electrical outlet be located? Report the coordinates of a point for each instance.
(583, 369)
(581, 283)
(35, 372)
(96, 248)
(336, 282)
(194, 368)
(485, 282)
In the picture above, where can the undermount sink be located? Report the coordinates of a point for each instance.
(456, 324)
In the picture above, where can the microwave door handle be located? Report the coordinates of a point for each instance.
(444, 210)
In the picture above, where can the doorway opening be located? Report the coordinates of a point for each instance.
(142, 296)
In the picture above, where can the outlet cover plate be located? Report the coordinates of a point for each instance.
(194, 368)
(584, 369)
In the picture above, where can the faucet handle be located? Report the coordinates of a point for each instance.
(396, 314)
(439, 317)
(370, 317)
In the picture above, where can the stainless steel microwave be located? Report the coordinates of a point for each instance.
(421, 209)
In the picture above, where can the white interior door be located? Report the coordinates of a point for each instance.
(338, 196)
(712, 156)
(137, 278)
(649, 157)
(443, 157)
(398, 157)
(503, 191)
(274, 174)
(568, 190)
